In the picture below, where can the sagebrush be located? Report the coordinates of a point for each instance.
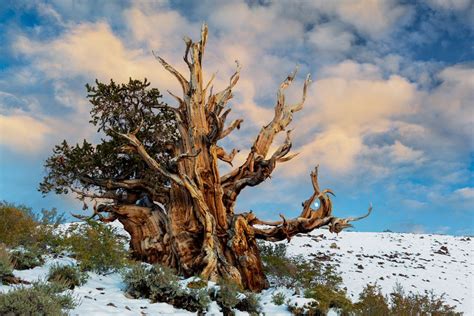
(26, 258)
(39, 299)
(160, 284)
(97, 247)
(68, 276)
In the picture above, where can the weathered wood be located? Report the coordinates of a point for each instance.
(190, 225)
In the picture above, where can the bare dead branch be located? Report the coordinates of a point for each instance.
(255, 169)
(235, 124)
(308, 220)
(354, 219)
(188, 42)
(182, 81)
(222, 155)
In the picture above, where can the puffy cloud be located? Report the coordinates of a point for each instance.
(23, 133)
(370, 17)
(335, 149)
(448, 113)
(401, 153)
(350, 102)
(160, 30)
(331, 38)
(91, 50)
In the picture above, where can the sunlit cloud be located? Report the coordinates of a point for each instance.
(23, 133)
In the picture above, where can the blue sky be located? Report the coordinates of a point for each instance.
(389, 116)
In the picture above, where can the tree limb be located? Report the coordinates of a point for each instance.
(256, 168)
(152, 163)
(308, 220)
(235, 124)
(182, 81)
(222, 155)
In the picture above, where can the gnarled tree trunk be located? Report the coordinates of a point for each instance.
(191, 225)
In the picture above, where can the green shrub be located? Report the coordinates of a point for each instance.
(39, 299)
(312, 273)
(319, 281)
(47, 237)
(278, 298)
(6, 267)
(67, 275)
(371, 302)
(199, 301)
(97, 247)
(281, 269)
(327, 297)
(419, 304)
(26, 258)
(136, 281)
(163, 283)
(160, 284)
(227, 297)
(250, 304)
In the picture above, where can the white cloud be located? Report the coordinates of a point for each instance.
(23, 133)
(448, 112)
(91, 50)
(370, 17)
(350, 102)
(331, 38)
(401, 153)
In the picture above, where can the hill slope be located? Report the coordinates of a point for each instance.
(418, 262)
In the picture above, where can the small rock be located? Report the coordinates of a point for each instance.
(111, 304)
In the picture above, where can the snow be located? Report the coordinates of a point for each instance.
(416, 261)
(390, 258)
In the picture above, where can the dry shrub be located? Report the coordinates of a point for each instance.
(21, 227)
(18, 225)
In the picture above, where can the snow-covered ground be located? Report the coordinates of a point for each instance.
(418, 262)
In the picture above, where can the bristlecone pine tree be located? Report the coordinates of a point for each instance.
(157, 172)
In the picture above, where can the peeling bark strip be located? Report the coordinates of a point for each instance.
(190, 225)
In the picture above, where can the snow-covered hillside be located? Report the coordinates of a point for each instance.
(418, 262)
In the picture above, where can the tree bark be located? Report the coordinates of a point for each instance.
(191, 225)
